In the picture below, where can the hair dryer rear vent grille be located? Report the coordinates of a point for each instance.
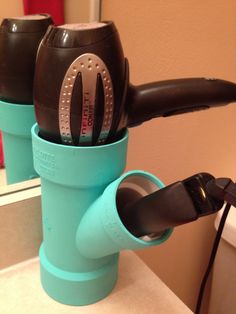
(89, 66)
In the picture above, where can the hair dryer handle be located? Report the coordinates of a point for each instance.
(172, 97)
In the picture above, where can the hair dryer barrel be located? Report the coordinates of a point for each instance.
(79, 83)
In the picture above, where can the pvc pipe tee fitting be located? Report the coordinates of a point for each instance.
(83, 234)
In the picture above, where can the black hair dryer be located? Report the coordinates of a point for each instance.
(83, 95)
(19, 41)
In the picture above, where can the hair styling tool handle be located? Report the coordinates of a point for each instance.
(172, 97)
(176, 204)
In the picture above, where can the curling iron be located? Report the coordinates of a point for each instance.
(82, 92)
(176, 204)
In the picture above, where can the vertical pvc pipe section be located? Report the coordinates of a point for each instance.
(72, 178)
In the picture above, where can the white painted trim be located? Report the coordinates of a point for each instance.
(16, 197)
(94, 11)
(12, 188)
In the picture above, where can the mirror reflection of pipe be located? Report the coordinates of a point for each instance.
(83, 95)
(19, 41)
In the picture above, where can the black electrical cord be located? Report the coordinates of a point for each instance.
(212, 258)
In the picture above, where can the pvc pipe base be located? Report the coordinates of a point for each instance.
(16, 122)
(77, 288)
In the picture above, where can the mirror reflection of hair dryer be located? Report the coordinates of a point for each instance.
(176, 204)
(19, 41)
(83, 95)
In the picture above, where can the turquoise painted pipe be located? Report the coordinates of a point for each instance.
(101, 232)
(82, 232)
(16, 122)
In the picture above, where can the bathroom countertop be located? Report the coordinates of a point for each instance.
(138, 290)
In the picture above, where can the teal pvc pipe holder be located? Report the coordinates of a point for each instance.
(101, 232)
(82, 232)
(16, 121)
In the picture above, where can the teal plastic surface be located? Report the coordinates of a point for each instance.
(76, 213)
(71, 179)
(101, 231)
(16, 122)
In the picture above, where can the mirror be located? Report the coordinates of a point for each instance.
(74, 11)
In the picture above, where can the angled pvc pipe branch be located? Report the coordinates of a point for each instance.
(101, 231)
(82, 188)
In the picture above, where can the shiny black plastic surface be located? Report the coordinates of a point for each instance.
(176, 204)
(133, 105)
(19, 41)
(59, 48)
